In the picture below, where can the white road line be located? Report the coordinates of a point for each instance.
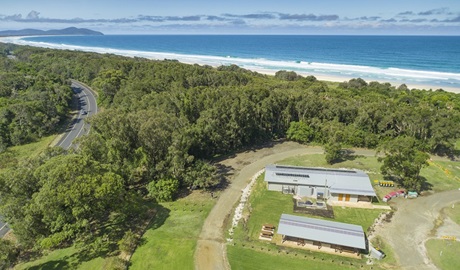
(65, 138)
(3, 227)
(88, 109)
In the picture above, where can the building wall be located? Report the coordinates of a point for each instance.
(314, 191)
(320, 245)
(275, 187)
(344, 197)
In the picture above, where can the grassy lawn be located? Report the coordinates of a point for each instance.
(267, 206)
(246, 258)
(389, 262)
(170, 241)
(363, 217)
(63, 259)
(453, 213)
(443, 175)
(444, 253)
(16, 153)
(248, 252)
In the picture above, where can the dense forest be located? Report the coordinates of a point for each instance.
(161, 124)
(32, 101)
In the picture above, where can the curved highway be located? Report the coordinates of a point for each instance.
(87, 107)
(3, 228)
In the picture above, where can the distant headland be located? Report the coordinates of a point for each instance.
(65, 31)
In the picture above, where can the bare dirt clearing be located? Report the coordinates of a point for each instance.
(412, 224)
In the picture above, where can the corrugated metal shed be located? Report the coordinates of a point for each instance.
(335, 233)
(337, 180)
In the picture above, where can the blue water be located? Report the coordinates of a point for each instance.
(433, 60)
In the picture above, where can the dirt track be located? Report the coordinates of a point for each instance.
(406, 230)
(412, 224)
(210, 252)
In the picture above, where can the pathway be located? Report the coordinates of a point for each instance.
(211, 248)
(412, 224)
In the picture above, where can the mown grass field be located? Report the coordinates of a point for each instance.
(170, 241)
(453, 213)
(16, 153)
(267, 206)
(389, 262)
(248, 258)
(444, 253)
(66, 258)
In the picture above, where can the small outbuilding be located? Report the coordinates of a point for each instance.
(333, 236)
(320, 183)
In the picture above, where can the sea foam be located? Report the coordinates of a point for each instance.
(331, 71)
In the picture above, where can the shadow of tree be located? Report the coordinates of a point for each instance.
(253, 148)
(50, 265)
(161, 215)
(347, 155)
(425, 185)
(103, 243)
(224, 172)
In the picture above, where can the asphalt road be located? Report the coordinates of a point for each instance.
(78, 127)
(3, 228)
(85, 102)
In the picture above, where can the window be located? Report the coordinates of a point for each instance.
(293, 175)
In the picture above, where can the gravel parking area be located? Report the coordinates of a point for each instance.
(412, 224)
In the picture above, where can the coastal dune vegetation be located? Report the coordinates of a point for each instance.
(161, 125)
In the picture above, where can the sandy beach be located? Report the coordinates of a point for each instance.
(319, 70)
(334, 78)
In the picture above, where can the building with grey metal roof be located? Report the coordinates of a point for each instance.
(320, 183)
(335, 235)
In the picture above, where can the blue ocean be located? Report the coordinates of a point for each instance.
(414, 60)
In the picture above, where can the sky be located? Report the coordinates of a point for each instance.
(329, 17)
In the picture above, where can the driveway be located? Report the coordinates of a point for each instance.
(210, 252)
(412, 224)
(414, 215)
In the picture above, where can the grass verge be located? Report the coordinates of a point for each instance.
(248, 258)
(264, 206)
(170, 241)
(453, 213)
(66, 258)
(444, 253)
(17, 153)
(389, 262)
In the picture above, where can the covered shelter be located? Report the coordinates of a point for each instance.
(336, 236)
(320, 183)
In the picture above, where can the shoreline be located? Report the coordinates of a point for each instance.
(322, 71)
(339, 79)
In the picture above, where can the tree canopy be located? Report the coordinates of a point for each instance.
(403, 162)
(163, 123)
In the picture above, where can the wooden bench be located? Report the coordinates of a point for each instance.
(267, 234)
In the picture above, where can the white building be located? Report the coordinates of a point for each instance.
(326, 234)
(320, 183)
